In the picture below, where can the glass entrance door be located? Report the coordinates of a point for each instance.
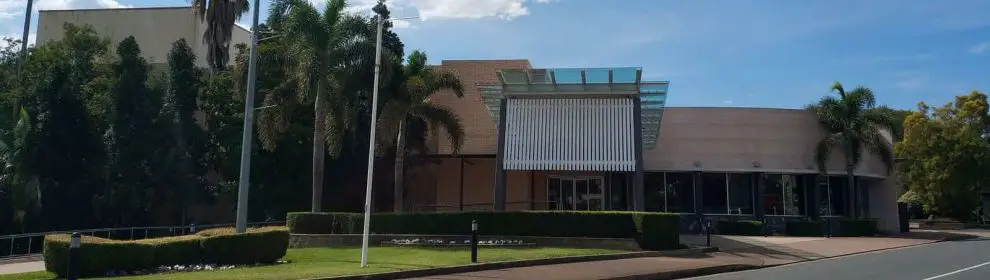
(576, 193)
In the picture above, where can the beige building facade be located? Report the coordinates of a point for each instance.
(725, 163)
(155, 29)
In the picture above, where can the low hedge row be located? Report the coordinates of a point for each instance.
(804, 228)
(653, 231)
(219, 246)
(858, 227)
(740, 227)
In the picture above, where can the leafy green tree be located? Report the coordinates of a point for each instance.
(325, 49)
(411, 103)
(220, 17)
(853, 123)
(16, 177)
(67, 156)
(181, 138)
(947, 155)
(131, 137)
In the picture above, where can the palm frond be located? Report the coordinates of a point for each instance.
(878, 145)
(824, 150)
(442, 117)
(220, 17)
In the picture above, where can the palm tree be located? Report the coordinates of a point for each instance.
(323, 51)
(412, 103)
(853, 122)
(15, 175)
(220, 17)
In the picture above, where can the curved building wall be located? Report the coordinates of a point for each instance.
(745, 140)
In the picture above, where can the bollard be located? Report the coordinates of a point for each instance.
(192, 228)
(73, 262)
(708, 233)
(474, 241)
(766, 227)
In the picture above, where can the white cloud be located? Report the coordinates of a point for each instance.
(980, 48)
(911, 80)
(454, 9)
(113, 4)
(31, 39)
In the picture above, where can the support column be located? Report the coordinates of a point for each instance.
(499, 192)
(759, 188)
(460, 200)
(640, 203)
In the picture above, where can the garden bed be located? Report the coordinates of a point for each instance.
(416, 242)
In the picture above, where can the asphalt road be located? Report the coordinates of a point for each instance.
(952, 260)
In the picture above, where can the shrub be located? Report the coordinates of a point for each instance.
(657, 229)
(805, 228)
(264, 245)
(96, 255)
(858, 227)
(218, 246)
(740, 227)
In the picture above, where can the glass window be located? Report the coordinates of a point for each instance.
(864, 198)
(680, 192)
(783, 195)
(656, 199)
(617, 192)
(824, 197)
(839, 195)
(741, 193)
(715, 197)
(553, 194)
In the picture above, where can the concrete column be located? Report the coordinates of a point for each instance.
(499, 193)
(640, 194)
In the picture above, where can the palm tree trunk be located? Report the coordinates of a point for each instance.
(851, 191)
(400, 155)
(319, 147)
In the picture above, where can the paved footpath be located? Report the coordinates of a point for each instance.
(737, 251)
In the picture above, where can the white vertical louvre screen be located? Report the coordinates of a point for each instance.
(569, 134)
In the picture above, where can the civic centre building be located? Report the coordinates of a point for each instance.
(602, 139)
(586, 139)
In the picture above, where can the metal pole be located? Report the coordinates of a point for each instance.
(24, 41)
(474, 241)
(245, 176)
(371, 146)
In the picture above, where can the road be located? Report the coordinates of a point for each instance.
(951, 260)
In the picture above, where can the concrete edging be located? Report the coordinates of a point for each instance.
(685, 273)
(519, 263)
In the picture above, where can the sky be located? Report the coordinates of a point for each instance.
(724, 53)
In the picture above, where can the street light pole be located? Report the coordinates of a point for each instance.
(371, 142)
(24, 42)
(245, 174)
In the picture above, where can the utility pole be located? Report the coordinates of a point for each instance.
(245, 174)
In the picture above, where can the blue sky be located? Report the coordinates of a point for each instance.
(768, 53)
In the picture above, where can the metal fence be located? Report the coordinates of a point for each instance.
(18, 245)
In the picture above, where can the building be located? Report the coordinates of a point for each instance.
(602, 139)
(155, 29)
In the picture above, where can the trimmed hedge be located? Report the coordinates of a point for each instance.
(740, 227)
(805, 228)
(218, 246)
(653, 231)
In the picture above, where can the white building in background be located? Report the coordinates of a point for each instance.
(154, 28)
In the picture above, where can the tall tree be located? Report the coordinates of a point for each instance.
(131, 137)
(181, 138)
(853, 123)
(68, 155)
(411, 103)
(947, 155)
(220, 17)
(325, 49)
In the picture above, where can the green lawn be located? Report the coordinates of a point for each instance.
(322, 262)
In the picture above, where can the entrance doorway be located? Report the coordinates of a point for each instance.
(576, 193)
